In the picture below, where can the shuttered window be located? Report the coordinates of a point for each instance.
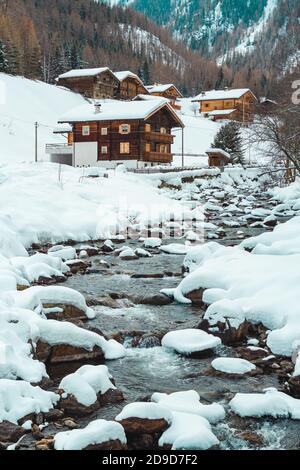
(124, 147)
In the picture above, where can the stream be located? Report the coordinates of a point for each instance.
(119, 291)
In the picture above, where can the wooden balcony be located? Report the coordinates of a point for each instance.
(157, 157)
(159, 138)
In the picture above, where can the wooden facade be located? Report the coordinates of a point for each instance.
(170, 92)
(129, 87)
(242, 107)
(146, 141)
(217, 158)
(99, 86)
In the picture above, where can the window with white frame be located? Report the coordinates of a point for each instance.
(124, 147)
(86, 130)
(124, 129)
(163, 130)
(104, 131)
(104, 149)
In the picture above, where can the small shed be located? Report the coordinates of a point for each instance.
(218, 157)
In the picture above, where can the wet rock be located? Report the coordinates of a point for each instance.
(149, 341)
(112, 396)
(251, 437)
(293, 386)
(78, 266)
(70, 423)
(109, 445)
(63, 312)
(48, 281)
(10, 432)
(252, 353)
(75, 409)
(66, 353)
(45, 444)
(36, 432)
(108, 247)
(196, 296)
(53, 415)
(228, 334)
(90, 250)
(156, 300)
(147, 276)
(138, 426)
(143, 441)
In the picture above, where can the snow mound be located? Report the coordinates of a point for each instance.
(190, 341)
(86, 383)
(96, 432)
(19, 399)
(271, 403)
(145, 410)
(152, 242)
(188, 432)
(231, 365)
(189, 403)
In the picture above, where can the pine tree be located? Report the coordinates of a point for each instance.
(3, 58)
(229, 139)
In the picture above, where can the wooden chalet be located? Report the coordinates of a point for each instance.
(229, 104)
(130, 85)
(108, 133)
(168, 91)
(97, 83)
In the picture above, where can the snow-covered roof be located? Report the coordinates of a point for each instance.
(222, 94)
(160, 88)
(221, 151)
(75, 73)
(221, 112)
(127, 74)
(62, 128)
(142, 97)
(112, 110)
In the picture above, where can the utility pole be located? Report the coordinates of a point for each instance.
(36, 125)
(182, 147)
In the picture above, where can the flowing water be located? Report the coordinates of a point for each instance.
(150, 369)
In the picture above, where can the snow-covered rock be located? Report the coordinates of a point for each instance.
(19, 399)
(232, 365)
(94, 434)
(188, 432)
(271, 403)
(152, 242)
(190, 341)
(188, 402)
(87, 382)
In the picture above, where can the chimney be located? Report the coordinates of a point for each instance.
(97, 107)
(226, 88)
(203, 93)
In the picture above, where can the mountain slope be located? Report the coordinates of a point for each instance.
(259, 37)
(40, 39)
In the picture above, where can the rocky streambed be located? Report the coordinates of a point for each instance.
(125, 294)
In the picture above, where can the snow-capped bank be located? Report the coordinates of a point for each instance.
(23, 103)
(88, 208)
(257, 287)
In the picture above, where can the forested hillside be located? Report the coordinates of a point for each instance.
(42, 38)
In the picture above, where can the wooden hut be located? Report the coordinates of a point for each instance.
(168, 91)
(218, 157)
(97, 83)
